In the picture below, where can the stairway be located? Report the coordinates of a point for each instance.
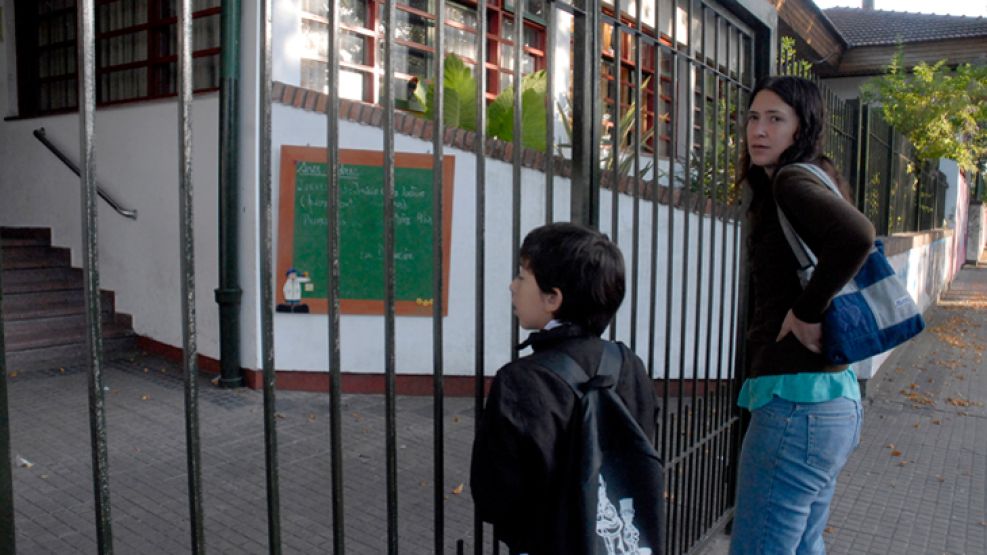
(44, 315)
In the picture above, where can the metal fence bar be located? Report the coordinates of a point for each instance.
(90, 259)
(723, 400)
(710, 405)
(7, 534)
(686, 416)
(332, 285)
(189, 349)
(516, 150)
(637, 178)
(863, 156)
(438, 151)
(884, 225)
(698, 207)
(671, 432)
(655, 200)
(480, 249)
(266, 283)
(552, 22)
(585, 195)
(390, 368)
(616, 133)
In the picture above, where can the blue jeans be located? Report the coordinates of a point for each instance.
(791, 457)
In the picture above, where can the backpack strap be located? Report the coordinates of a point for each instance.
(565, 367)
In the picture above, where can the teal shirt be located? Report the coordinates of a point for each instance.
(809, 387)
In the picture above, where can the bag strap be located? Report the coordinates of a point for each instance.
(803, 254)
(573, 374)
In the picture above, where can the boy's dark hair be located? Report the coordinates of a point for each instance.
(584, 264)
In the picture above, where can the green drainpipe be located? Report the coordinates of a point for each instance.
(228, 294)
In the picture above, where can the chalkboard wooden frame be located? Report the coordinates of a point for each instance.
(290, 157)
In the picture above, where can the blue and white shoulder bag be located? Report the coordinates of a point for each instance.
(872, 313)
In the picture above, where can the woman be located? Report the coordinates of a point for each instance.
(805, 412)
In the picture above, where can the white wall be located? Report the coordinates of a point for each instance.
(847, 88)
(362, 336)
(976, 232)
(927, 271)
(136, 162)
(136, 149)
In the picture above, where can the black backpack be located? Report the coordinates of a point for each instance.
(615, 499)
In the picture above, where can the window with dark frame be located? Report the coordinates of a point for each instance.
(628, 84)
(361, 47)
(136, 52)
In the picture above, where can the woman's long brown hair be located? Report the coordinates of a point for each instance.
(806, 100)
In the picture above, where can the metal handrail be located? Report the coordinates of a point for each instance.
(125, 212)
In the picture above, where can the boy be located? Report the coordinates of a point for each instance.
(569, 286)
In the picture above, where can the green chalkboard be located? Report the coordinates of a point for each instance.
(303, 228)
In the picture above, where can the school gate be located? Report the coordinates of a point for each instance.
(628, 118)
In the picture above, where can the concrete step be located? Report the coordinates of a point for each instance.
(20, 258)
(41, 279)
(36, 332)
(49, 304)
(44, 308)
(25, 236)
(116, 344)
(44, 333)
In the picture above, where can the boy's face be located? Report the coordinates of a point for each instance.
(534, 307)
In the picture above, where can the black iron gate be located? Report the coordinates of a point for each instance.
(656, 99)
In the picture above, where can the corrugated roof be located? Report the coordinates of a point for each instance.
(861, 27)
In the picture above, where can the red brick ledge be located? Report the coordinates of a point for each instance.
(904, 242)
(413, 126)
(405, 384)
(296, 380)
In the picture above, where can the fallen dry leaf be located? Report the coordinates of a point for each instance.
(958, 402)
(896, 453)
(889, 446)
(458, 489)
(936, 421)
(828, 530)
(311, 417)
(918, 398)
(146, 397)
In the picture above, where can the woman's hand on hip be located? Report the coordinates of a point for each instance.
(808, 334)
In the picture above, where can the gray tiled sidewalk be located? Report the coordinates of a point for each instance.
(145, 428)
(925, 495)
(918, 482)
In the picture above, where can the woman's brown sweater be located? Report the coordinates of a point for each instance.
(840, 237)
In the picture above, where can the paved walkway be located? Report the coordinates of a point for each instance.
(918, 482)
(148, 491)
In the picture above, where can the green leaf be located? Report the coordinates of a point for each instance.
(500, 113)
(942, 112)
(459, 87)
